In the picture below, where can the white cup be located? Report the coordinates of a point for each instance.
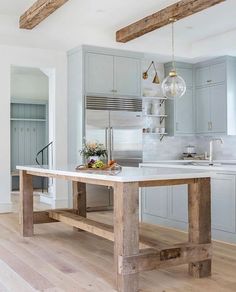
(162, 130)
(155, 109)
(156, 130)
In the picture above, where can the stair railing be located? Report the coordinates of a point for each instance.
(44, 153)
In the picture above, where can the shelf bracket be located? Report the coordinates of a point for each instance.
(161, 119)
(162, 101)
(161, 137)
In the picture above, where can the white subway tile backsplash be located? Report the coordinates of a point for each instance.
(172, 147)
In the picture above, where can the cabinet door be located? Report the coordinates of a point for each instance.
(218, 72)
(127, 76)
(203, 110)
(223, 202)
(187, 75)
(155, 201)
(179, 203)
(203, 76)
(218, 108)
(99, 74)
(184, 113)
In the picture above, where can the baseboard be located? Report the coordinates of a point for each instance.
(54, 203)
(6, 208)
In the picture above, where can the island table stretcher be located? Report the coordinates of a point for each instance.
(132, 253)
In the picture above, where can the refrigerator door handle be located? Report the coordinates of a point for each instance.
(106, 137)
(112, 139)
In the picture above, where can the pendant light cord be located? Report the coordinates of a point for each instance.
(173, 45)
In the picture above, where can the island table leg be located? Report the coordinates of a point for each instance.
(199, 206)
(126, 233)
(79, 200)
(26, 218)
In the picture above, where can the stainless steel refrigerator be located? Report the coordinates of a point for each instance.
(117, 123)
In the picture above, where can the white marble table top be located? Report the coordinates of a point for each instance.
(128, 174)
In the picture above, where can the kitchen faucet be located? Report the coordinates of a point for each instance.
(211, 149)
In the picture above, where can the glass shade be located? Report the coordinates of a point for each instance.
(173, 86)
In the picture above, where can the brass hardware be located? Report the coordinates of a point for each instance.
(156, 79)
(209, 126)
(145, 75)
(172, 73)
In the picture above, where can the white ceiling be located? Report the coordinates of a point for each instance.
(95, 22)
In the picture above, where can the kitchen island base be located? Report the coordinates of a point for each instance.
(133, 252)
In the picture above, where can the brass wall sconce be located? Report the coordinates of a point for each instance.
(156, 79)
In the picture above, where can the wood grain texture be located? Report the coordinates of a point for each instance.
(79, 200)
(126, 232)
(39, 11)
(151, 259)
(199, 206)
(99, 229)
(161, 18)
(74, 261)
(26, 205)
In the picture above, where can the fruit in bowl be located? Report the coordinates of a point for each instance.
(98, 164)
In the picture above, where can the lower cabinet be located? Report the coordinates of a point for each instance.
(168, 206)
(223, 202)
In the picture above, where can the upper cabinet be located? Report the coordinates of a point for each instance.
(127, 76)
(99, 74)
(180, 111)
(110, 75)
(215, 96)
(210, 74)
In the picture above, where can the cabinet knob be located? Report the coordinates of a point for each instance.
(208, 81)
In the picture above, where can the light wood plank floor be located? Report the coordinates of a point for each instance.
(60, 259)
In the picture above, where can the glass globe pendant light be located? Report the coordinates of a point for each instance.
(173, 86)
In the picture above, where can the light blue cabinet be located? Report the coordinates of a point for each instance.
(168, 206)
(127, 76)
(99, 78)
(109, 75)
(150, 198)
(218, 108)
(223, 202)
(203, 108)
(215, 96)
(180, 111)
(210, 74)
(211, 109)
(178, 203)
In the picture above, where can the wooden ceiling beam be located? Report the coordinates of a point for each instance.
(161, 18)
(39, 11)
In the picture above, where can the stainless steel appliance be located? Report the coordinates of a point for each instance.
(117, 123)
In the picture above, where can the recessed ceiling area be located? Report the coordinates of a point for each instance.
(95, 23)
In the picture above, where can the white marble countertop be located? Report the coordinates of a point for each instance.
(220, 165)
(128, 174)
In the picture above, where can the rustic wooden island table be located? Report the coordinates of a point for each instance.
(132, 253)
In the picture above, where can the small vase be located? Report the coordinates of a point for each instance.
(95, 158)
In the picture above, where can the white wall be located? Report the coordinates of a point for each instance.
(29, 85)
(36, 58)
